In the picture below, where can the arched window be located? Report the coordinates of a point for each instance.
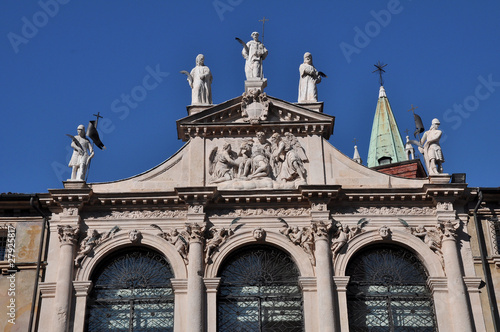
(388, 291)
(259, 291)
(132, 292)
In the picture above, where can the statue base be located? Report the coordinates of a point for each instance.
(75, 184)
(255, 83)
(313, 105)
(193, 109)
(440, 178)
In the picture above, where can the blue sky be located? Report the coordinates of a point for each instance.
(62, 61)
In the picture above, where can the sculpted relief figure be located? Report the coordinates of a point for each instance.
(254, 53)
(200, 81)
(222, 164)
(281, 160)
(431, 149)
(309, 77)
(82, 153)
(288, 157)
(344, 234)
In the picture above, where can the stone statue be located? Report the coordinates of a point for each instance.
(261, 152)
(409, 150)
(86, 246)
(218, 236)
(200, 81)
(309, 77)
(344, 234)
(179, 242)
(288, 157)
(431, 149)
(82, 154)
(254, 53)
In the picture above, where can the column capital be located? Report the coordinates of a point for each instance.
(82, 288)
(212, 284)
(68, 234)
(308, 284)
(179, 286)
(341, 282)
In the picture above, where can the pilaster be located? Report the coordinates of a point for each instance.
(212, 286)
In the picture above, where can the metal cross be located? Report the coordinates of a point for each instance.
(264, 19)
(412, 109)
(355, 141)
(407, 131)
(380, 68)
(98, 115)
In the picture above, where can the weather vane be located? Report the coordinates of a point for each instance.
(380, 68)
(264, 19)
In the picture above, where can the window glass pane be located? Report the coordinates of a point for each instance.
(132, 292)
(259, 291)
(387, 291)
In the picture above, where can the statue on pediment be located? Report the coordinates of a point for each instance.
(431, 149)
(200, 81)
(82, 154)
(309, 77)
(254, 53)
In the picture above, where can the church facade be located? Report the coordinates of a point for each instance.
(257, 223)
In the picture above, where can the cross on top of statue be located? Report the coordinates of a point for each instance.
(264, 19)
(380, 68)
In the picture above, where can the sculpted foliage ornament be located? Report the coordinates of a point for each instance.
(91, 241)
(67, 234)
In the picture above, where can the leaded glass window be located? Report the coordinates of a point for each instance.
(132, 292)
(388, 291)
(259, 291)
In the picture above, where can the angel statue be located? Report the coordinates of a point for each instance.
(222, 164)
(344, 234)
(288, 157)
(177, 239)
(217, 237)
(303, 237)
(254, 53)
(200, 81)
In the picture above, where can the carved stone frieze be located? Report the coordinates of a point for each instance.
(280, 212)
(255, 163)
(67, 234)
(93, 240)
(385, 210)
(136, 214)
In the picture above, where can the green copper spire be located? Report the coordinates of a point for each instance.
(386, 145)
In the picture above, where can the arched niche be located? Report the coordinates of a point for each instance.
(277, 240)
(122, 240)
(429, 259)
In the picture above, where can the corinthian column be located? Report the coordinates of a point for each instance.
(457, 296)
(67, 236)
(195, 290)
(324, 278)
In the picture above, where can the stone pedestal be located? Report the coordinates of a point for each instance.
(315, 106)
(440, 178)
(255, 83)
(193, 109)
